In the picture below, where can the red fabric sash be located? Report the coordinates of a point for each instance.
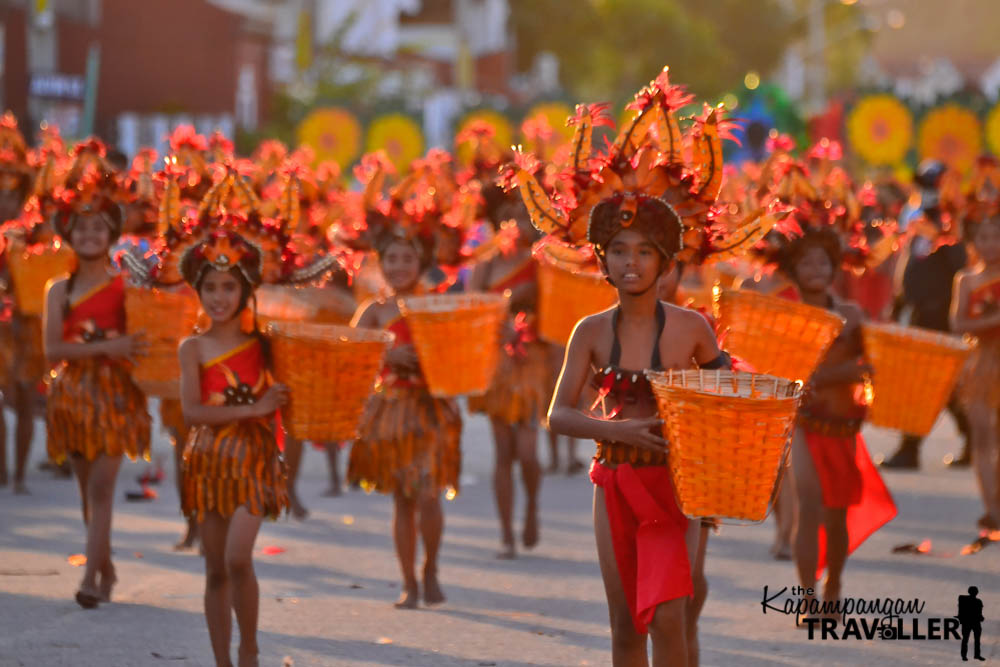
(648, 532)
(100, 309)
(849, 479)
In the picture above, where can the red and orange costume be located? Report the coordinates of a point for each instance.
(409, 440)
(94, 407)
(521, 387)
(236, 464)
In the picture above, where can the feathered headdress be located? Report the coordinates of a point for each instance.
(94, 191)
(15, 170)
(653, 165)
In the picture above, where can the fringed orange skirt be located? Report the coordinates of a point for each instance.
(409, 441)
(521, 387)
(172, 418)
(230, 466)
(981, 379)
(94, 408)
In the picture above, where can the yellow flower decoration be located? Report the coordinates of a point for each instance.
(952, 135)
(333, 133)
(399, 136)
(556, 114)
(502, 139)
(993, 129)
(880, 129)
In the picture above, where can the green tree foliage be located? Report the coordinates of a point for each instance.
(609, 48)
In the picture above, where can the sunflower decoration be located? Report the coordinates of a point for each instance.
(992, 129)
(333, 133)
(951, 134)
(880, 129)
(398, 135)
(483, 138)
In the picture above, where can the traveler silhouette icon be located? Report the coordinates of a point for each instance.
(970, 615)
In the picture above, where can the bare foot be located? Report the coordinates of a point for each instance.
(20, 489)
(108, 581)
(575, 467)
(800, 618)
(432, 590)
(408, 598)
(3, 478)
(507, 552)
(332, 492)
(553, 468)
(299, 510)
(530, 535)
(781, 552)
(831, 592)
(186, 542)
(247, 658)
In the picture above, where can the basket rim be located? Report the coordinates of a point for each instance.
(920, 335)
(777, 303)
(321, 332)
(419, 304)
(662, 379)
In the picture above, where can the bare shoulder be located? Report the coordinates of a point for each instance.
(593, 323)
(684, 318)
(189, 347)
(850, 311)
(58, 285)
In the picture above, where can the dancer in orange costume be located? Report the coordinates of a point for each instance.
(234, 475)
(95, 411)
(520, 387)
(410, 441)
(976, 310)
(841, 497)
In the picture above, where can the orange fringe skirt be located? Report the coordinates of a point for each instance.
(172, 418)
(409, 441)
(94, 408)
(521, 387)
(230, 466)
(981, 378)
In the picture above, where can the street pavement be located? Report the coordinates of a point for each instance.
(326, 596)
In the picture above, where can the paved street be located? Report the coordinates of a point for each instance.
(326, 599)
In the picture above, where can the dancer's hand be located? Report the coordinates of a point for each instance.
(125, 347)
(274, 398)
(639, 433)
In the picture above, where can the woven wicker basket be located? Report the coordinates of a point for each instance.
(31, 271)
(775, 336)
(729, 434)
(164, 319)
(457, 337)
(569, 289)
(330, 371)
(915, 371)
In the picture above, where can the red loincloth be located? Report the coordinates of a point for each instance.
(849, 479)
(648, 531)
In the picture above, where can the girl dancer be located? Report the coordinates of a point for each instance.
(976, 310)
(233, 472)
(521, 385)
(410, 441)
(841, 497)
(95, 411)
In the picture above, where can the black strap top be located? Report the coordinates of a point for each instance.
(617, 387)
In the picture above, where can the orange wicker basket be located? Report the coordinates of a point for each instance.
(776, 336)
(569, 289)
(457, 337)
(164, 318)
(915, 371)
(32, 269)
(330, 371)
(729, 435)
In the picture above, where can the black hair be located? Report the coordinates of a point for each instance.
(813, 237)
(653, 217)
